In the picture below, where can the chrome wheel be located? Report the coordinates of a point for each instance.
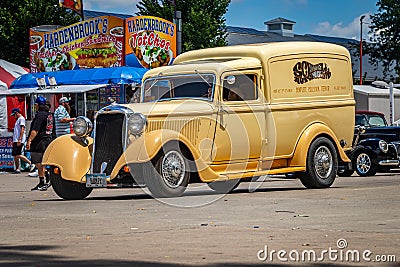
(323, 162)
(168, 174)
(173, 169)
(364, 163)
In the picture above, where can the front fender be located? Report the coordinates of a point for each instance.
(147, 146)
(370, 143)
(371, 146)
(312, 131)
(71, 155)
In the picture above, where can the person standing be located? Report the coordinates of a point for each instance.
(40, 136)
(62, 118)
(19, 138)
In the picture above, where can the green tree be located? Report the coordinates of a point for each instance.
(18, 16)
(385, 42)
(203, 21)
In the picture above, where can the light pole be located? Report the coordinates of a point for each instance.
(178, 23)
(361, 48)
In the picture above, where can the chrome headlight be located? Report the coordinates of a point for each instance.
(136, 123)
(383, 146)
(82, 126)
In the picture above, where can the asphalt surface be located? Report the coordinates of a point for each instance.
(127, 227)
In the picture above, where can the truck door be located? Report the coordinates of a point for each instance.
(240, 126)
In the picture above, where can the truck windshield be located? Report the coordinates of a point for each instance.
(200, 85)
(370, 120)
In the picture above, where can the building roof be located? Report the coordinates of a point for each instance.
(331, 39)
(370, 90)
(242, 35)
(278, 21)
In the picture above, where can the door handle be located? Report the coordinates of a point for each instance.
(222, 122)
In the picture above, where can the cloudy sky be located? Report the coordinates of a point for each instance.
(340, 18)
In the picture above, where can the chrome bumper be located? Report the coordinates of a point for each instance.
(389, 162)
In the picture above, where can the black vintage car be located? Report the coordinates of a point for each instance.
(375, 146)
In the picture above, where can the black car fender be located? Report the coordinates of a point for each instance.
(371, 144)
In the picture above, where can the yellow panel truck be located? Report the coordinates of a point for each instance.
(218, 116)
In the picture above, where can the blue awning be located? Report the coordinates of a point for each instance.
(115, 75)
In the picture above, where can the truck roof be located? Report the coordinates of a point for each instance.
(262, 51)
(205, 66)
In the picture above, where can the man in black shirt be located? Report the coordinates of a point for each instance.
(40, 135)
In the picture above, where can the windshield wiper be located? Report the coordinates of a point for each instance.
(155, 81)
(202, 77)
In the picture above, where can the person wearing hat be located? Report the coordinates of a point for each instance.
(19, 138)
(62, 117)
(40, 136)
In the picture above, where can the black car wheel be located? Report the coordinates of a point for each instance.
(362, 161)
(322, 164)
(68, 190)
(168, 174)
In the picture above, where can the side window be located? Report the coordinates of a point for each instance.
(244, 88)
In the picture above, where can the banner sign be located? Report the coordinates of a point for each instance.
(93, 43)
(6, 158)
(150, 42)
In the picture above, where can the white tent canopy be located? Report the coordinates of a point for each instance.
(18, 91)
(69, 89)
(54, 90)
(58, 89)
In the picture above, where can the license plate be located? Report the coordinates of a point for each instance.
(96, 180)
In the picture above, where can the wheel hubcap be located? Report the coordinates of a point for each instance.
(363, 163)
(173, 169)
(323, 162)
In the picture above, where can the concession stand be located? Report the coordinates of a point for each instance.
(94, 62)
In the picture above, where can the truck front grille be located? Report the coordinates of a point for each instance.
(108, 142)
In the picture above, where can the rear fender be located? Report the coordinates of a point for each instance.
(72, 156)
(312, 132)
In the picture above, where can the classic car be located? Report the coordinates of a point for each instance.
(375, 146)
(218, 116)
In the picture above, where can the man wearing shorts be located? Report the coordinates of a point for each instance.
(40, 135)
(19, 137)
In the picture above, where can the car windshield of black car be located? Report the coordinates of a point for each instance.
(376, 121)
(370, 120)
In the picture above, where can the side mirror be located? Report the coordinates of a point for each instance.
(230, 79)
